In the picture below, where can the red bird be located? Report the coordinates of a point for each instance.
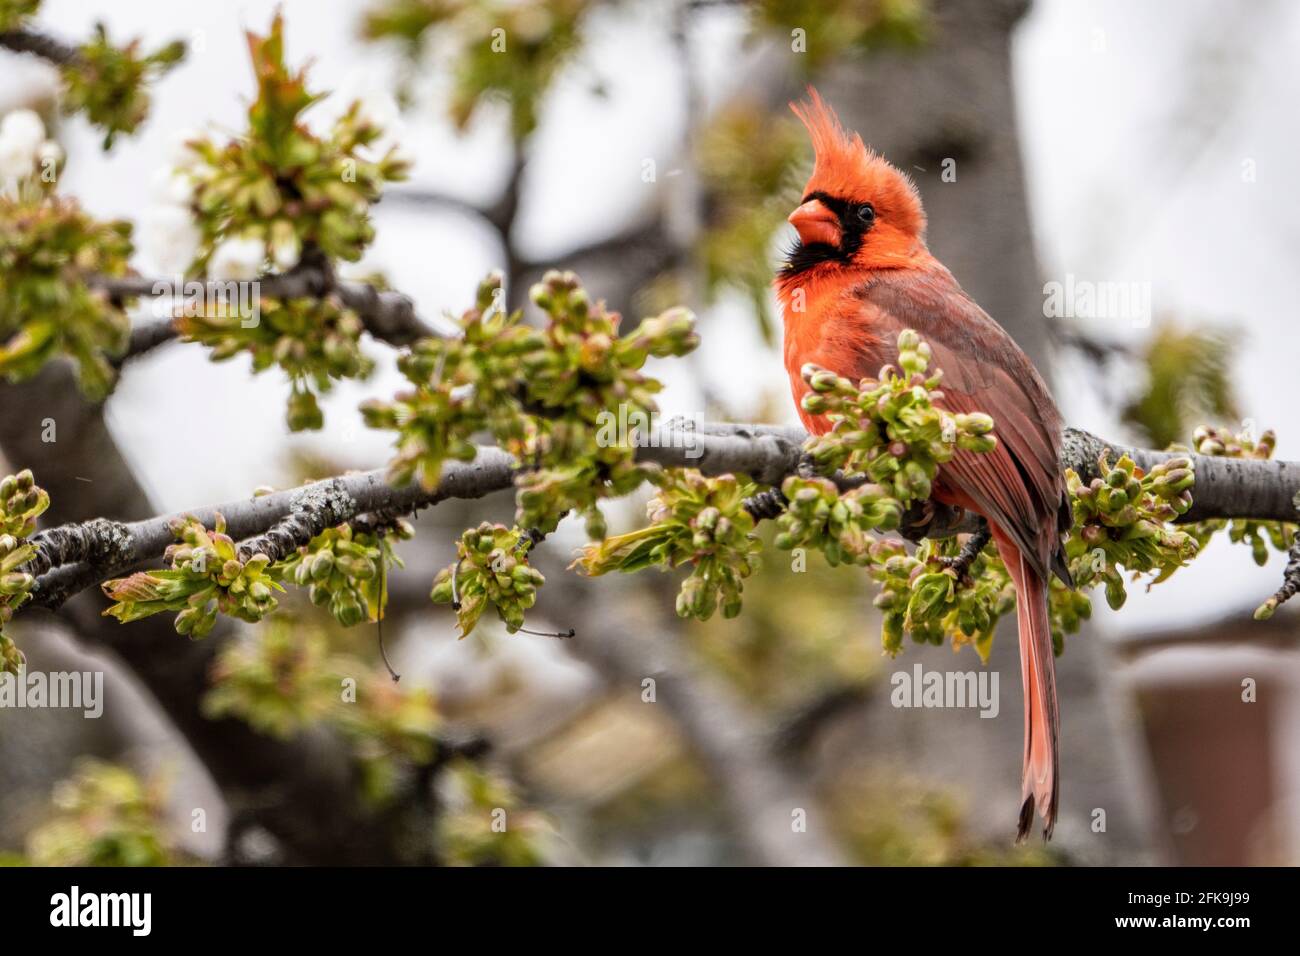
(859, 274)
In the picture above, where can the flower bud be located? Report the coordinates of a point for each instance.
(321, 565)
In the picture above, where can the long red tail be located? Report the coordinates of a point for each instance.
(1041, 774)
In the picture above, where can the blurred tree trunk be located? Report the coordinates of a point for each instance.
(950, 100)
(303, 790)
(953, 103)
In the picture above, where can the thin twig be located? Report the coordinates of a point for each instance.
(415, 196)
(383, 601)
(563, 635)
(1290, 578)
(387, 315)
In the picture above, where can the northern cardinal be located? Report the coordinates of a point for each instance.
(859, 274)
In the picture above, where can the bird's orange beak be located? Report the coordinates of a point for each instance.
(816, 224)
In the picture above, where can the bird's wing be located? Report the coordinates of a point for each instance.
(1018, 486)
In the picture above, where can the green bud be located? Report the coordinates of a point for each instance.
(321, 565)
(347, 610)
(303, 412)
(16, 582)
(1115, 594)
(441, 593)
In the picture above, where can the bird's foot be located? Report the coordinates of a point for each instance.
(960, 562)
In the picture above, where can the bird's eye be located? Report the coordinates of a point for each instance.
(866, 213)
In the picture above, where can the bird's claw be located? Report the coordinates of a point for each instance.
(961, 562)
(917, 520)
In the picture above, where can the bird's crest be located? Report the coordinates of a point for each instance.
(847, 169)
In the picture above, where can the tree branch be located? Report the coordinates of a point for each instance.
(429, 198)
(145, 338)
(72, 558)
(387, 315)
(1225, 487)
(100, 550)
(39, 44)
(1290, 578)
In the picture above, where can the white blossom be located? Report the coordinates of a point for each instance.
(171, 187)
(381, 110)
(376, 105)
(170, 238)
(286, 251)
(22, 130)
(237, 259)
(50, 153)
(15, 164)
(22, 135)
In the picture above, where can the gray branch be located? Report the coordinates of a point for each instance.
(112, 548)
(387, 315)
(1225, 487)
(39, 44)
(71, 558)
